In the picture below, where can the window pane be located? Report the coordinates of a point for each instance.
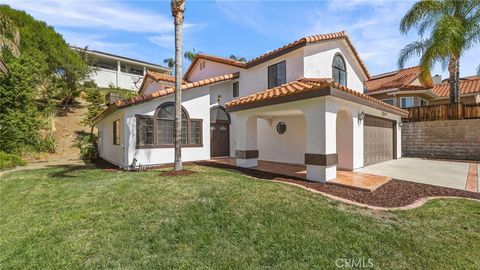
(145, 131)
(236, 89)
(407, 102)
(338, 63)
(343, 79)
(168, 112)
(116, 132)
(272, 76)
(281, 73)
(196, 132)
(165, 131)
(184, 132)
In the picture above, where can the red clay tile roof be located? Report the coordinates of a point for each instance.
(306, 40)
(160, 77)
(302, 86)
(157, 77)
(167, 91)
(213, 58)
(280, 51)
(397, 79)
(470, 86)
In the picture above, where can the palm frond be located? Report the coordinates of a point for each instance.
(416, 48)
(418, 14)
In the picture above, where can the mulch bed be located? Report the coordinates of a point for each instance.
(177, 173)
(395, 193)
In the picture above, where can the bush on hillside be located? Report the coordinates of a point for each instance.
(9, 161)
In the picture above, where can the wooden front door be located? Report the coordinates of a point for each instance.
(219, 140)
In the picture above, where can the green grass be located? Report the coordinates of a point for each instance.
(74, 218)
(9, 161)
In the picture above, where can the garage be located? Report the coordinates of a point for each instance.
(378, 144)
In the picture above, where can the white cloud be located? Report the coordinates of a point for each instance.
(96, 14)
(165, 41)
(96, 42)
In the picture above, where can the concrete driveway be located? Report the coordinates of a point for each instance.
(434, 172)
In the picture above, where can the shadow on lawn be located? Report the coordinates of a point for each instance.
(68, 170)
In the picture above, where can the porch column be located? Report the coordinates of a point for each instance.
(320, 155)
(246, 152)
(119, 70)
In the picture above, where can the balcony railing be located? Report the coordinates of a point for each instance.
(455, 111)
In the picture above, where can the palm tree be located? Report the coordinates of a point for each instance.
(190, 55)
(455, 28)
(238, 58)
(170, 62)
(178, 8)
(478, 70)
(9, 36)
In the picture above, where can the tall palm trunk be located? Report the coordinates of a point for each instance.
(453, 78)
(178, 7)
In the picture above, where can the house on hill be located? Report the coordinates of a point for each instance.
(111, 70)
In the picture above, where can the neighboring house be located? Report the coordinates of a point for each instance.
(119, 71)
(301, 104)
(403, 89)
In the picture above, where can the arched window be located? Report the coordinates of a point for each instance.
(166, 124)
(219, 115)
(339, 70)
(158, 131)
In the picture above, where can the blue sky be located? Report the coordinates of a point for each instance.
(144, 29)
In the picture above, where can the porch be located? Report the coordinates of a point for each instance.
(362, 181)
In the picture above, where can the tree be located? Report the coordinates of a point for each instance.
(455, 28)
(478, 70)
(238, 58)
(170, 62)
(95, 106)
(9, 36)
(190, 55)
(178, 8)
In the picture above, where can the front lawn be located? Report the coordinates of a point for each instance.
(67, 217)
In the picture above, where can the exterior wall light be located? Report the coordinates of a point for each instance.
(219, 97)
(400, 124)
(361, 116)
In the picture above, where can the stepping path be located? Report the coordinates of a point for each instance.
(472, 178)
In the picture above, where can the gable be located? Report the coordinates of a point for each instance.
(204, 68)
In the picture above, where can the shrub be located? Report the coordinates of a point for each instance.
(8, 161)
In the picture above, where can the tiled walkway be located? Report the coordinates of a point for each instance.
(356, 180)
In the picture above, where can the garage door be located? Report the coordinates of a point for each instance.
(378, 140)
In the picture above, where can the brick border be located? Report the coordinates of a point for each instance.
(472, 178)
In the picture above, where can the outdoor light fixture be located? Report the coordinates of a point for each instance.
(361, 116)
(219, 97)
(400, 124)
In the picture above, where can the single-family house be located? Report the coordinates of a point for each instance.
(110, 70)
(403, 89)
(302, 103)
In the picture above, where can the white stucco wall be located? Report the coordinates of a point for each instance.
(196, 102)
(107, 150)
(255, 79)
(212, 69)
(319, 58)
(288, 147)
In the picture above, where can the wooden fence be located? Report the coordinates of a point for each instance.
(443, 112)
